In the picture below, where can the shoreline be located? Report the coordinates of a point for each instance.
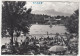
(49, 24)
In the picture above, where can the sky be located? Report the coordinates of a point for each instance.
(53, 8)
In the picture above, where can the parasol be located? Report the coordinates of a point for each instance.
(57, 48)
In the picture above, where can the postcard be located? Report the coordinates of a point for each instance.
(40, 28)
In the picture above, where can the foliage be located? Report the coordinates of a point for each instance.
(15, 17)
(72, 22)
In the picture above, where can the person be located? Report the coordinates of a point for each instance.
(35, 37)
(10, 42)
(21, 43)
(48, 38)
(26, 41)
(52, 38)
(16, 44)
(49, 53)
(34, 43)
(47, 33)
(71, 36)
(40, 38)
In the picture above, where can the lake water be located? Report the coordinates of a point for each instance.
(40, 31)
(43, 29)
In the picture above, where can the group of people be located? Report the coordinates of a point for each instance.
(38, 46)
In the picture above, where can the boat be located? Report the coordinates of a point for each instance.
(50, 24)
(36, 22)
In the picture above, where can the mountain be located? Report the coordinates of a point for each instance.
(51, 12)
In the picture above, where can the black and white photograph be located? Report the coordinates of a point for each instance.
(40, 28)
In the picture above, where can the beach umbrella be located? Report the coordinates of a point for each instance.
(38, 45)
(57, 48)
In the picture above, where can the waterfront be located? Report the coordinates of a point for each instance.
(39, 31)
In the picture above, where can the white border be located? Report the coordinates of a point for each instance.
(39, 0)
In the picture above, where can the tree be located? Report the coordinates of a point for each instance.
(72, 22)
(15, 18)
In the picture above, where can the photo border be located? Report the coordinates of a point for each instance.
(41, 1)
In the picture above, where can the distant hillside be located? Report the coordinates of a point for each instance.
(39, 18)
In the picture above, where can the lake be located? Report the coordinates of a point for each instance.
(40, 31)
(43, 29)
